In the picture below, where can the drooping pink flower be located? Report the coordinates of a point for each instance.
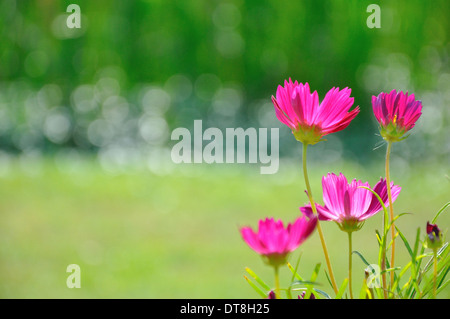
(347, 203)
(309, 121)
(274, 241)
(397, 113)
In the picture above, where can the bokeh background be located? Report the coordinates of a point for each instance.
(86, 117)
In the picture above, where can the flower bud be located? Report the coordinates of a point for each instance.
(434, 236)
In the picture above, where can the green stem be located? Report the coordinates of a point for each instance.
(319, 228)
(391, 208)
(383, 262)
(350, 264)
(434, 272)
(277, 284)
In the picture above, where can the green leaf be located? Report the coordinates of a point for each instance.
(305, 282)
(377, 233)
(313, 280)
(257, 289)
(405, 241)
(361, 256)
(342, 289)
(400, 275)
(389, 270)
(382, 250)
(416, 244)
(328, 279)
(258, 280)
(294, 273)
(365, 292)
(442, 287)
(442, 276)
(440, 212)
(442, 255)
(323, 293)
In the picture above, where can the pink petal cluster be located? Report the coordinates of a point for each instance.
(275, 241)
(309, 121)
(397, 113)
(347, 203)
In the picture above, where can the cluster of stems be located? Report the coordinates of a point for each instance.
(322, 238)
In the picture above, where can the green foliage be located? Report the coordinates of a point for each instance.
(139, 69)
(203, 54)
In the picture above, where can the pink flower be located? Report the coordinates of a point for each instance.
(309, 121)
(274, 242)
(347, 203)
(397, 113)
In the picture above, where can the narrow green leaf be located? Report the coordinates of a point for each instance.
(442, 276)
(313, 279)
(405, 241)
(442, 271)
(361, 256)
(416, 244)
(442, 287)
(258, 280)
(392, 241)
(365, 291)
(377, 233)
(342, 289)
(399, 215)
(323, 293)
(305, 282)
(257, 289)
(389, 270)
(399, 277)
(442, 255)
(328, 279)
(440, 212)
(294, 273)
(416, 286)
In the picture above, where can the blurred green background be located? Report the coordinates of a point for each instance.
(86, 116)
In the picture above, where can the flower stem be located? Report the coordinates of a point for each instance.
(350, 264)
(383, 261)
(434, 272)
(391, 208)
(319, 228)
(277, 284)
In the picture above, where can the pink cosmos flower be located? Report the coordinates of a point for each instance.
(309, 121)
(397, 113)
(274, 242)
(347, 203)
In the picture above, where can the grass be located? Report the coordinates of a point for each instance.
(138, 234)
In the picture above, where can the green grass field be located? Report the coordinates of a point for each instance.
(142, 235)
